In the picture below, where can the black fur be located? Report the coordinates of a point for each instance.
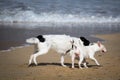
(85, 41)
(41, 38)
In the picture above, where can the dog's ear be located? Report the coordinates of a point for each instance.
(41, 38)
(99, 43)
(82, 38)
(85, 41)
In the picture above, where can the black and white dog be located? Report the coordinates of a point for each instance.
(60, 43)
(84, 52)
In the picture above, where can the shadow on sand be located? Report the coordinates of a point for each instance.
(68, 64)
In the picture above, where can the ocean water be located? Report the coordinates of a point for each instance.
(21, 19)
(60, 11)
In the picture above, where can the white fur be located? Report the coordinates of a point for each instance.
(59, 43)
(86, 52)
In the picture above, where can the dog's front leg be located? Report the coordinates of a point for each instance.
(62, 61)
(41, 52)
(30, 60)
(93, 58)
(34, 59)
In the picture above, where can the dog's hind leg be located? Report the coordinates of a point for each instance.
(85, 63)
(80, 61)
(62, 61)
(73, 58)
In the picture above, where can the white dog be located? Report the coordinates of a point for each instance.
(60, 43)
(83, 52)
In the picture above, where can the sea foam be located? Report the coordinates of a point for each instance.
(31, 17)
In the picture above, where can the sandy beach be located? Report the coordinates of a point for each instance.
(96, 20)
(14, 64)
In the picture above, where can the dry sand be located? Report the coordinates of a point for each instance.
(14, 64)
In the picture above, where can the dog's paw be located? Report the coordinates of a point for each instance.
(30, 65)
(100, 65)
(64, 65)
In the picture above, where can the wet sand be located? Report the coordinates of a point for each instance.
(14, 64)
(12, 35)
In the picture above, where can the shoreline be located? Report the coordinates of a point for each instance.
(16, 34)
(22, 45)
(27, 45)
(93, 38)
(14, 64)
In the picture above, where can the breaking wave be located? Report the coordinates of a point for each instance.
(30, 16)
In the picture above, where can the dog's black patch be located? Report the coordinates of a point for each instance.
(85, 41)
(41, 38)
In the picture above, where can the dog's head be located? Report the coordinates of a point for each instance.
(41, 38)
(102, 47)
(32, 40)
(85, 41)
